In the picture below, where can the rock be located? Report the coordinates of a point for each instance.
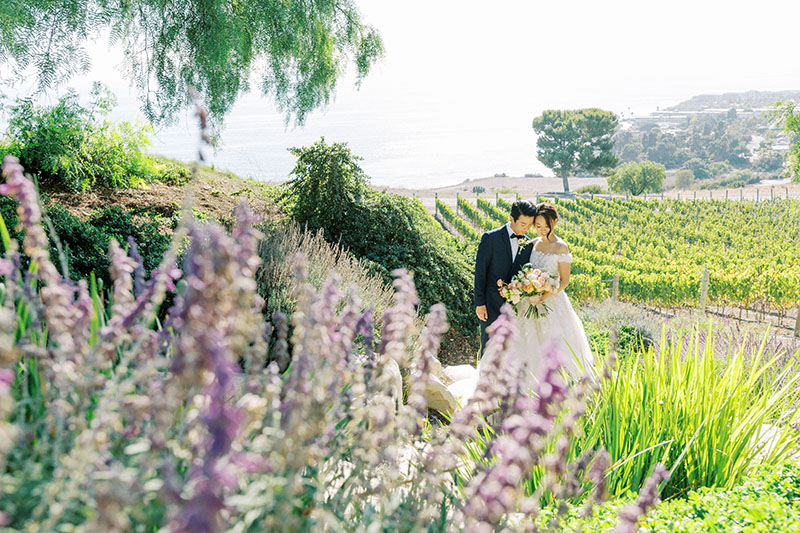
(392, 369)
(451, 387)
(439, 397)
(459, 372)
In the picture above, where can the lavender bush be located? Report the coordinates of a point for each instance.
(111, 421)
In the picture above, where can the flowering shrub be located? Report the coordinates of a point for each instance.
(112, 422)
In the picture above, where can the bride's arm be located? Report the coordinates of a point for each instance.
(563, 274)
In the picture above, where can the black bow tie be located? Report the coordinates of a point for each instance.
(515, 236)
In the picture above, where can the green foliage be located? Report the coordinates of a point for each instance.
(590, 189)
(71, 144)
(327, 182)
(767, 500)
(736, 179)
(85, 243)
(474, 215)
(329, 193)
(637, 178)
(721, 138)
(684, 178)
(572, 141)
(718, 168)
(708, 421)
(768, 161)
(478, 189)
(788, 113)
(298, 49)
(700, 168)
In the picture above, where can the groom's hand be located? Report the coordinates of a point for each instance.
(483, 314)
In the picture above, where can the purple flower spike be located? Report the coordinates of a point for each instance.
(429, 347)
(648, 498)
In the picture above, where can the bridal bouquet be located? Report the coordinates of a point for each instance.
(527, 283)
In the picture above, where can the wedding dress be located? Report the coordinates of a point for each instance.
(560, 329)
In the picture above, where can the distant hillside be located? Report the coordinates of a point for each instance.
(746, 100)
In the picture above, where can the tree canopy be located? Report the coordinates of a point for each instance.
(637, 178)
(789, 114)
(295, 51)
(575, 140)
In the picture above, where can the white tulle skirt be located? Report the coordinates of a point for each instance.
(560, 330)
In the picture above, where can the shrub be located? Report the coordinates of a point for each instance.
(768, 161)
(699, 167)
(85, 243)
(736, 179)
(636, 178)
(718, 168)
(684, 178)
(590, 189)
(71, 144)
(329, 192)
(276, 279)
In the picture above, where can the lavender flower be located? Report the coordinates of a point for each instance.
(420, 374)
(648, 498)
(398, 320)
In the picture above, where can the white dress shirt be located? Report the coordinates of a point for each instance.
(514, 242)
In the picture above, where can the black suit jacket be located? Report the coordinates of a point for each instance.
(523, 256)
(493, 262)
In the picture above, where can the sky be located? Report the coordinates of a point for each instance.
(470, 67)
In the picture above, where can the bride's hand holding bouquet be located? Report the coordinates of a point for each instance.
(532, 284)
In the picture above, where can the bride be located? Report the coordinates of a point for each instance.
(560, 328)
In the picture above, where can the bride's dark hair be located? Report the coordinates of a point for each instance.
(548, 211)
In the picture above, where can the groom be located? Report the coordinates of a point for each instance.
(494, 261)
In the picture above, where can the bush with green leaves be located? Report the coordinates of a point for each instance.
(637, 178)
(85, 243)
(329, 192)
(73, 145)
(684, 178)
(768, 161)
(768, 500)
(699, 167)
(590, 189)
(734, 180)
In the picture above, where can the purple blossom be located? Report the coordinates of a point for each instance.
(429, 342)
(648, 498)
(398, 320)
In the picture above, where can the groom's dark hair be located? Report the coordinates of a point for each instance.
(522, 207)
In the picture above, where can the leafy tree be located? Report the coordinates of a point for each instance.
(667, 151)
(576, 141)
(788, 114)
(684, 178)
(637, 178)
(329, 192)
(74, 145)
(718, 168)
(298, 50)
(699, 168)
(768, 161)
(327, 182)
(630, 152)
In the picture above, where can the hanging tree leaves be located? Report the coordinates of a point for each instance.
(294, 49)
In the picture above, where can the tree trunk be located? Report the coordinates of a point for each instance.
(566, 181)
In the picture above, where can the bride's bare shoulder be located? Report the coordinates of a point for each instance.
(560, 247)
